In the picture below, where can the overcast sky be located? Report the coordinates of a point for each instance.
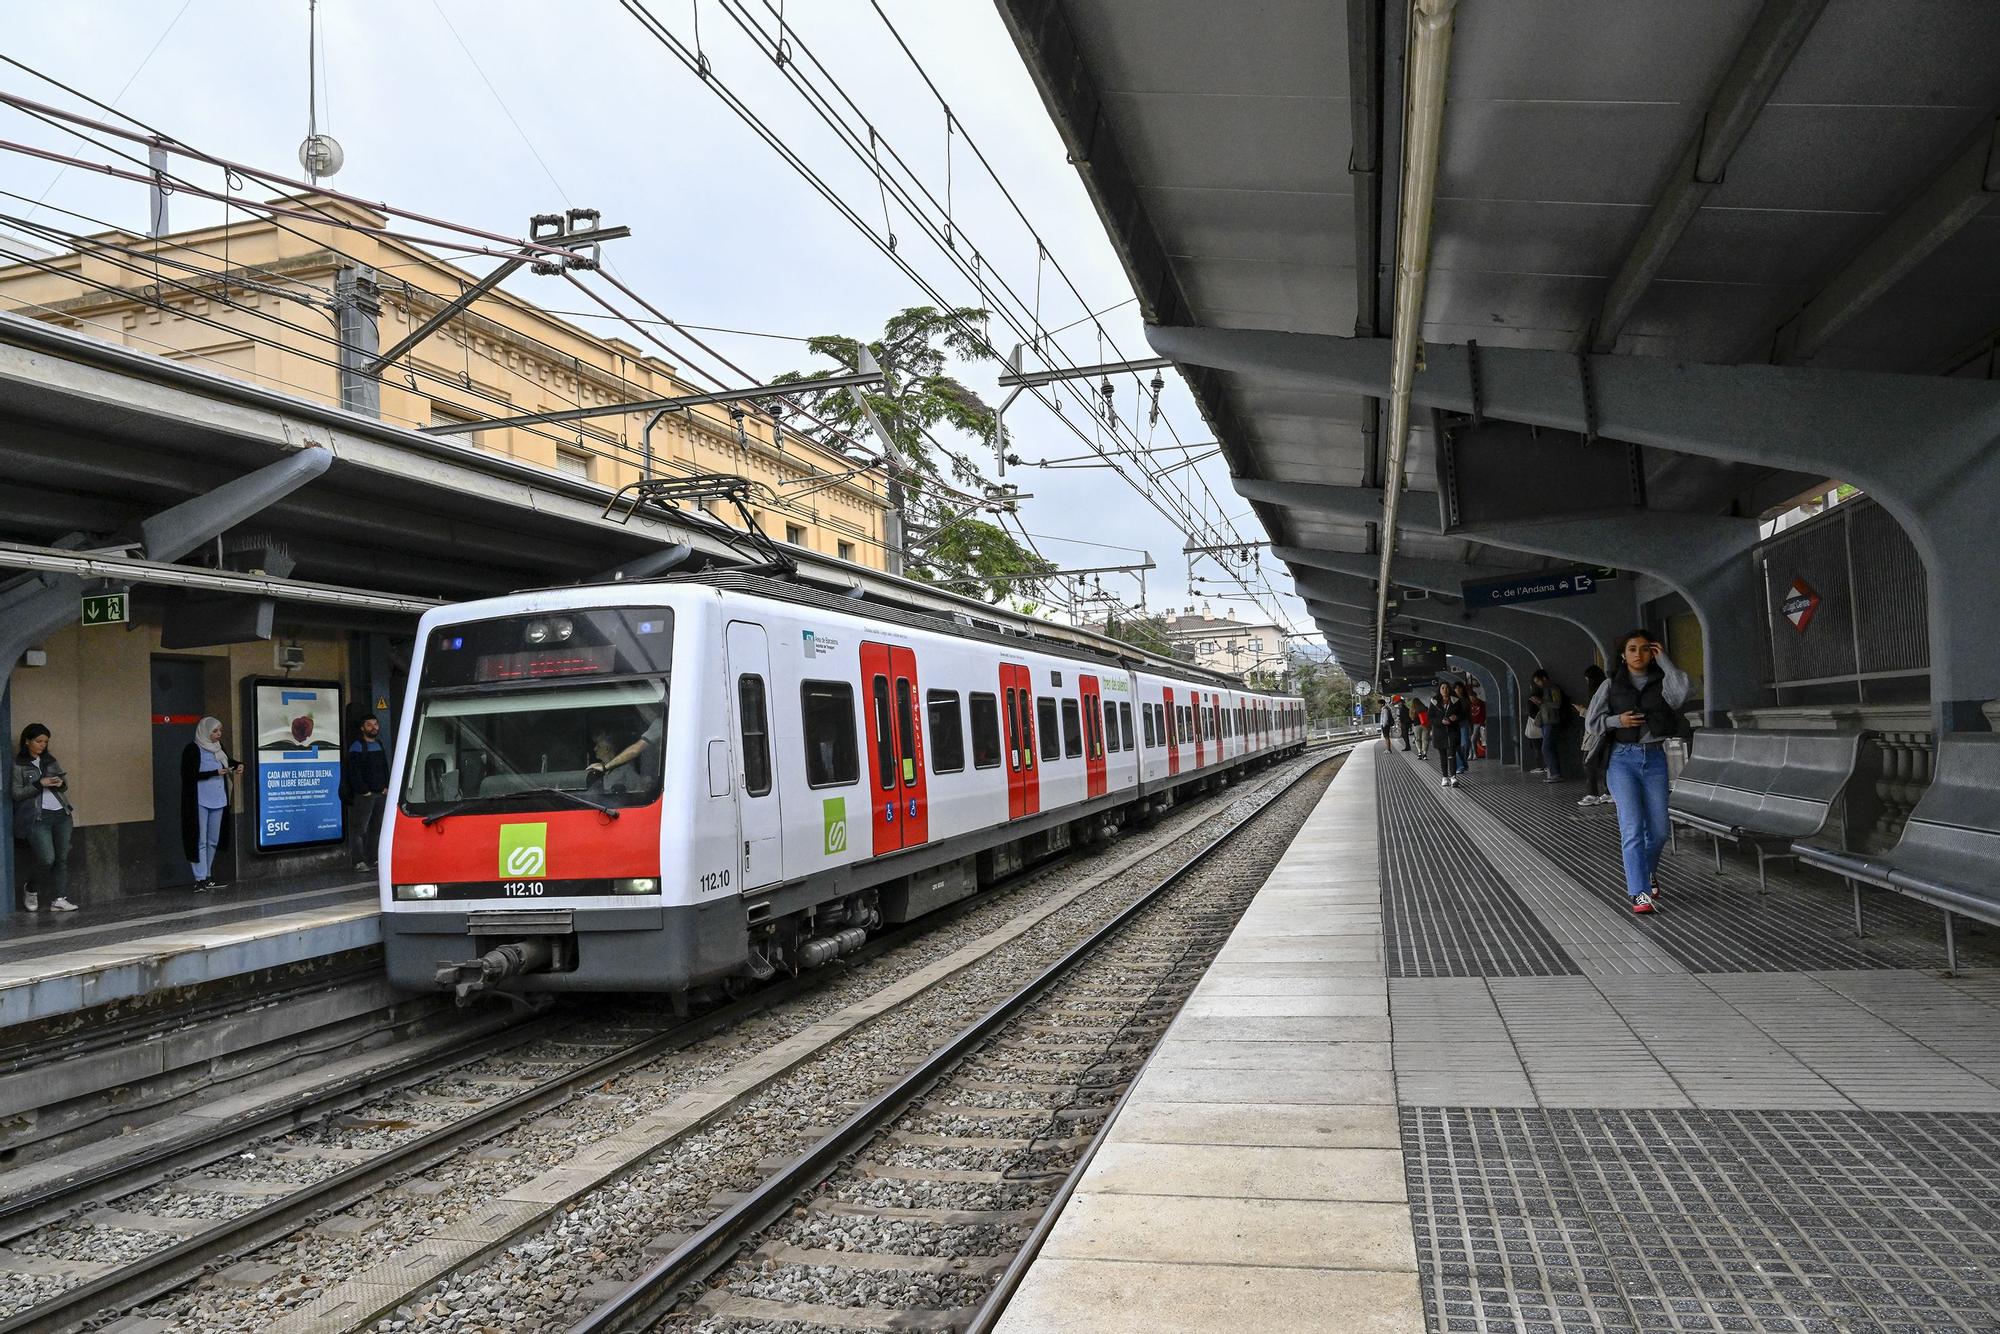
(487, 111)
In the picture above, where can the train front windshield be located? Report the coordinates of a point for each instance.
(538, 713)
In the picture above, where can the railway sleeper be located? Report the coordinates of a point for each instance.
(725, 1305)
(878, 1262)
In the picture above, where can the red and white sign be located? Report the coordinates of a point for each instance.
(1800, 604)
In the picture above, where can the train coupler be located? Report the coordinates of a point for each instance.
(497, 965)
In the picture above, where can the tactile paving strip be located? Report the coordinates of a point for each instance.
(1445, 911)
(1549, 1222)
(1720, 923)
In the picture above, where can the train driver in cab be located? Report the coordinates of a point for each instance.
(627, 770)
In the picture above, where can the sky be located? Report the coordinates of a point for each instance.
(484, 112)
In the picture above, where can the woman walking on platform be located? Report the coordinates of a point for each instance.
(205, 773)
(1638, 709)
(1446, 715)
(39, 789)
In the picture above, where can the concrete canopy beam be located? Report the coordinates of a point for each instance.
(1560, 648)
(1602, 614)
(1926, 447)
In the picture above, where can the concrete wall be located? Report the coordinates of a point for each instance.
(95, 697)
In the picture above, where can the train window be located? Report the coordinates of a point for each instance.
(906, 730)
(947, 733)
(1013, 728)
(1146, 712)
(1072, 729)
(756, 724)
(832, 758)
(1158, 727)
(1093, 730)
(985, 712)
(1045, 723)
(885, 736)
(1125, 725)
(1111, 740)
(1187, 725)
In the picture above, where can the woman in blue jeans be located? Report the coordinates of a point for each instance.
(1638, 709)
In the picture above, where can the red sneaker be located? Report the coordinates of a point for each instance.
(1643, 903)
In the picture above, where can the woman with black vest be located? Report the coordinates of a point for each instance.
(1638, 709)
(1445, 716)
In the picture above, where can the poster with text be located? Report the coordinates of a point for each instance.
(297, 730)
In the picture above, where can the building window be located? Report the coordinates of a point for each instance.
(1072, 724)
(1045, 718)
(847, 551)
(444, 416)
(831, 757)
(985, 731)
(947, 734)
(795, 533)
(572, 462)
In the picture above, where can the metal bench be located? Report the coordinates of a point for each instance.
(1765, 790)
(1949, 854)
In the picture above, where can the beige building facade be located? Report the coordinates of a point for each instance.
(1226, 644)
(255, 300)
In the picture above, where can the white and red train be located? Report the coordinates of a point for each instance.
(658, 786)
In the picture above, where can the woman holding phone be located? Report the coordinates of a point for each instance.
(206, 771)
(1638, 709)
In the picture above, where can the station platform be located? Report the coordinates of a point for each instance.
(1441, 1078)
(55, 965)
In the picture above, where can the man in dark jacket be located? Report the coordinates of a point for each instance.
(364, 786)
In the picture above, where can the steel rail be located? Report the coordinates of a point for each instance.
(660, 1289)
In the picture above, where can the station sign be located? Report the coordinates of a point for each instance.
(107, 608)
(1538, 587)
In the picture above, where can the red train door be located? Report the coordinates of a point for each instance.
(1093, 736)
(1172, 738)
(895, 747)
(1200, 741)
(1017, 717)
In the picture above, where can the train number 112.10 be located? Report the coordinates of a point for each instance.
(523, 889)
(714, 880)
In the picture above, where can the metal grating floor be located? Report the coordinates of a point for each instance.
(1548, 1222)
(1445, 911)
(1719, 923)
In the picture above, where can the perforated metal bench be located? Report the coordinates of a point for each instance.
(1949, 854)
(1765, 790)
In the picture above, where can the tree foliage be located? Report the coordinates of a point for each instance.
(931, 419)
(1142, 632)
(1328, 692)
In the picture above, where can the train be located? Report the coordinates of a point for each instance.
(705, 780)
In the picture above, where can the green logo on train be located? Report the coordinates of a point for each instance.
(833, 815)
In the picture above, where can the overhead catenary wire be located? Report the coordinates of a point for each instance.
(1194, 518)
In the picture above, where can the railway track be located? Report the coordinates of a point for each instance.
(198, 1206)
(920, 1210)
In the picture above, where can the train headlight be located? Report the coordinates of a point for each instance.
(416, 891)
(537, 632)
(638, 884)
(562, 627)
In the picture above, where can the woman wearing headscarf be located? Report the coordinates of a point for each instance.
(39, 789)
(205, 773)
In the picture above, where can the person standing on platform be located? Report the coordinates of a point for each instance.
(1462, 696)
(43, 819)
(205, 773)
(1388, 724)
(1595, 757)
(1423, 727)
(1476, 709)
(1638, 709)
(364, 786)
(1550, 715)
(1446, 715)
(1403, 720)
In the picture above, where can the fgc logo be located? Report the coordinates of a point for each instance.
(524, 851)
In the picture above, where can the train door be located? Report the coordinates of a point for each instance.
(758, 820)
(1173, 736)
(895, 747)
(1093, 736)
(1200, 727)
(1017, 716)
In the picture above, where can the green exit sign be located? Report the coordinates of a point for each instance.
(106, 608)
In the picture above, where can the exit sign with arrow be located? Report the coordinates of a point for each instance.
(107, 608)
